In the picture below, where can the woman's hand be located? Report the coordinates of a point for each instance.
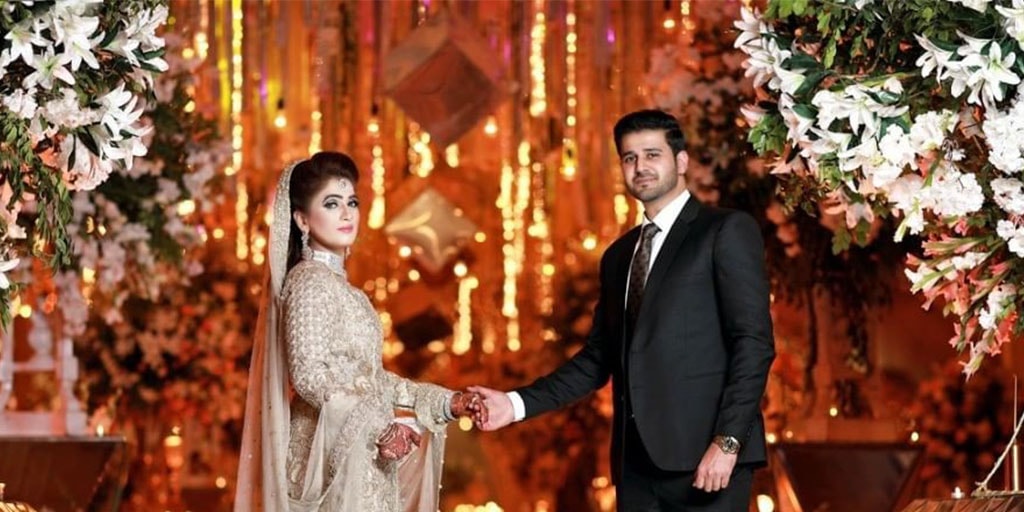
(396, 442)
(470, 404)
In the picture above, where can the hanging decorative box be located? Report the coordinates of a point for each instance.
(445, 77)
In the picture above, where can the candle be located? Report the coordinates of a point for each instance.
(957, 493)
(173, 450)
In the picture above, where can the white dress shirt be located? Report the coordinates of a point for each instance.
(664, 220)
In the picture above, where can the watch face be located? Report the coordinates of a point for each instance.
(728, 444)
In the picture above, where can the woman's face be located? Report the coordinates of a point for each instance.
(332, 217)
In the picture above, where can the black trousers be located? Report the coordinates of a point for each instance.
(643, 487)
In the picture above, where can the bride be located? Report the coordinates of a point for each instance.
(320, 430)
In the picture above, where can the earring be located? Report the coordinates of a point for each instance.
(307, 253)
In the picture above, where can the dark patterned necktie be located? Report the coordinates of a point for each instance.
(638, 276)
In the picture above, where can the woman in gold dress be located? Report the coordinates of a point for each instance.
(321, 432)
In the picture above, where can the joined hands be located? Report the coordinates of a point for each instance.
(499, 408)
(472, 405)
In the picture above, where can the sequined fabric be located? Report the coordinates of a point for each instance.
(334, 339)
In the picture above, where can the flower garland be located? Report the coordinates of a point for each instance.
(74, 77)
(904, 108)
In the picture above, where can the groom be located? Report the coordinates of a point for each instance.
(682, 327)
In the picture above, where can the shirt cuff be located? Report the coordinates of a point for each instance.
(518, 407)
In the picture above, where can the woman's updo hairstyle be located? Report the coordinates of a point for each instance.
(308, 178)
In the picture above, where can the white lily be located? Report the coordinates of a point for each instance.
(5, 267)
(1013, 21)
(23, 36)
(751, 26)
(48, 67)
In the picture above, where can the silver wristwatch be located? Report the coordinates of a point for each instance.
(728, 444)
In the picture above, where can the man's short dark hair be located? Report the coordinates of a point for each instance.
(643, 120)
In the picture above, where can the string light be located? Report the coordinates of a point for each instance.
(538, 89)
(199, 41)
(421, 159)
(540, 229)
(519, 206)
(491, 126)
(451, 155)
(462, 339)
(241, 217)
(377, 172)
(510, 264)
(621, 209)
(570, 159)
(685, 13)
(281, 119)
(242, 201)
(316, 120)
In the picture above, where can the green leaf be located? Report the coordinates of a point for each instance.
(800, 60)
(769, 135)
(805, 111)
(830, 53)
(841, 240)
(799, 7)
(811, 83)
(823, 22)
(785, 8)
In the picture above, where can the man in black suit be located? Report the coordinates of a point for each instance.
(688, 348)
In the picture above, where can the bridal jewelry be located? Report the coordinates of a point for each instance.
(307, 253)
(333, 261)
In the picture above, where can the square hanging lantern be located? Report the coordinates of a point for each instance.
(445, 77)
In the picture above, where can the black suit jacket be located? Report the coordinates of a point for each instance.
(702, 348)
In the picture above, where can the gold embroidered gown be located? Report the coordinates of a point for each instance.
(343, 399)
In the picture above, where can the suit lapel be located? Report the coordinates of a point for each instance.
(667, 254)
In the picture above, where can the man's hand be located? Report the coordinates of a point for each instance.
(397, 441)
(470, 404)
(714, 470)
(499, 408)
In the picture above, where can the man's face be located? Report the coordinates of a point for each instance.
(651, 172)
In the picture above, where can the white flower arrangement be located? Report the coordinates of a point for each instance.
(920, 120)
(75, 76)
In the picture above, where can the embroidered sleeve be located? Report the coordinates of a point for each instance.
(431, 403)
(316, 373)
